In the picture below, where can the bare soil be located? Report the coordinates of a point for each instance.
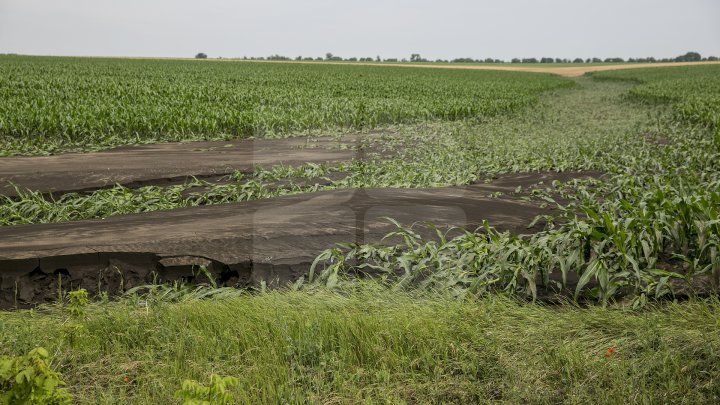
(164, 164)
(244, 244)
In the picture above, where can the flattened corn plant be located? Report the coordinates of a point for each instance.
(650, 230)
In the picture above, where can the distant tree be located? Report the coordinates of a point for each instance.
(489, 60)
(515, 60)
(712, 58)
(596, 60)
(318, 58)
(614, 60)
(391, 60)
(578, 60)
(330, 56)
(353, 59)
(463, 60)
(689, 57)
(499, 61)
(377, 58)
(201, 55)
(529, 60)
(547, 60)
(415, 57)
(558, 60)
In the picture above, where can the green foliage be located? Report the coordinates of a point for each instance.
(77, 302)
(29, 379)
(52, 104)
(194, 393)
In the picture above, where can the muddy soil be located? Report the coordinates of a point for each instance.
(165, 164)
(244, 244)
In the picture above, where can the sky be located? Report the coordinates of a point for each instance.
(362, 28)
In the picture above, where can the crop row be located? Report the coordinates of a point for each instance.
(51, 104)
(694, 91)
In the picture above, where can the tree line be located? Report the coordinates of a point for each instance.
(416, 57)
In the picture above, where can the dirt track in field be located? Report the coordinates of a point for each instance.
(566, 71)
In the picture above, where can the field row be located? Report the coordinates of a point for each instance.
(49, 104)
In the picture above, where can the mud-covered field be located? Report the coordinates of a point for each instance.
(251, 212)
(320, 233)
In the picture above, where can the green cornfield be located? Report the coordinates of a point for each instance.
(62, 103)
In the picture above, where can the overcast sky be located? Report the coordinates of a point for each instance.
(390, 28)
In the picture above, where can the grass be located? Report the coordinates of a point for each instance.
(367, 345)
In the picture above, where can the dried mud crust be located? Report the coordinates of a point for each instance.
(272, 241)
(166, 164)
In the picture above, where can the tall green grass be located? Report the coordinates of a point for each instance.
(366, 345)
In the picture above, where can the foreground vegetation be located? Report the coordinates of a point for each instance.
(364, 345)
